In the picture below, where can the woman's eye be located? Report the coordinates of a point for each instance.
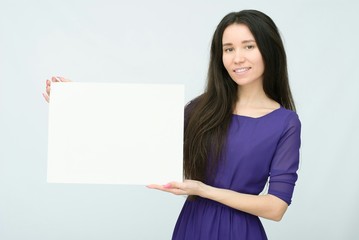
(249, 47)
(228, 49)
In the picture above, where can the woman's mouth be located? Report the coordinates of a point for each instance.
(241, 70)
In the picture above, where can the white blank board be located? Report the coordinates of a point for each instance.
(115, 133)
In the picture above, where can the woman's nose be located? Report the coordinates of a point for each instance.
(239, 57)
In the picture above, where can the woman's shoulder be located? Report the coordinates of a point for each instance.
(288, 113)
(289, 118)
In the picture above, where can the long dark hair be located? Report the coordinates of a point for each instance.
(209, 115)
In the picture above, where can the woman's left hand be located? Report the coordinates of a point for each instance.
(187, 187)
(46, 94)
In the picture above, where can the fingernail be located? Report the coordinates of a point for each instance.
(168, 185)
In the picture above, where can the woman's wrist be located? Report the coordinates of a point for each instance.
(206, 191)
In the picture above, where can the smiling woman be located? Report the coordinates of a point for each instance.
(241, 131)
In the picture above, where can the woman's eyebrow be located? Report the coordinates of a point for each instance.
(227, 44)
(248, 41)
(243, 42)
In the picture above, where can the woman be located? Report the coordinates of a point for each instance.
(241, 131)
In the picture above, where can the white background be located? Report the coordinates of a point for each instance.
(168, 42)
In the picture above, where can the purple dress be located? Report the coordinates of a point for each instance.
(256, 148)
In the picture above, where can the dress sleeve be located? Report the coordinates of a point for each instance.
(284, 166)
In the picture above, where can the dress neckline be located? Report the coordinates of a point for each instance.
(263, 116)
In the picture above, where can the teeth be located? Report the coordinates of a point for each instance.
(239, 70)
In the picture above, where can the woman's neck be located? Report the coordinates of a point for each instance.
(251, 96)
(253, 101)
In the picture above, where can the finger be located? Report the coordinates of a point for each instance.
(48, 85)
(165, 188)
(46, 97)
(169, 187)
(54, 79)
(159, 187)
(154, 186)
(48, 89)
(62, 79)
(175, 191)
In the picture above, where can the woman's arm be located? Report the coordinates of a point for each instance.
(266, 206)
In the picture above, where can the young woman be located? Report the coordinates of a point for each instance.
(241, 131)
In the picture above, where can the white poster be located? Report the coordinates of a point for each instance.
(115, 133)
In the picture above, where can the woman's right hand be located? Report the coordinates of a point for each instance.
(46, 94)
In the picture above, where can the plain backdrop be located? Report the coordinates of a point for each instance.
(162, 41)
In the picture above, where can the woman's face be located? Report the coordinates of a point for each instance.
(241, 56)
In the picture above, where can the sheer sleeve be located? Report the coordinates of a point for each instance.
(284, 166)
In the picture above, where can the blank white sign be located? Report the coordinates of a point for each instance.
(114, 133)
